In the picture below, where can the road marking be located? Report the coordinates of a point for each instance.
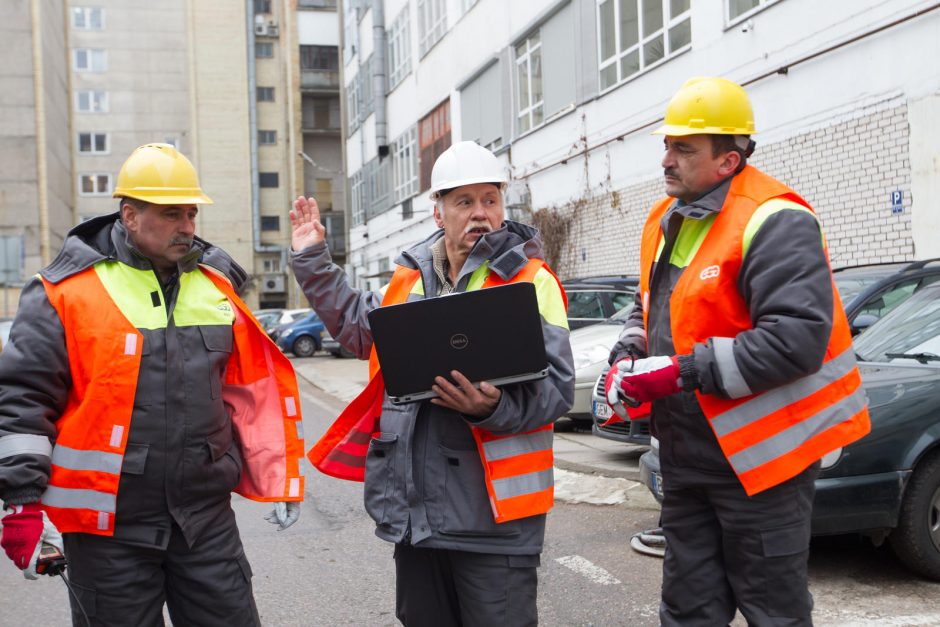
(585, 567)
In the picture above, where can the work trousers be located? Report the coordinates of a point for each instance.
(448, 588)
(120, 584)
(725, 550)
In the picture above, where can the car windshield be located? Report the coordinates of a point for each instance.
(621, 316)
(910, 333)
(851, 283)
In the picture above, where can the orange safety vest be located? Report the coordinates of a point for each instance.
(774, 435)
(517, 467)
(104, 351)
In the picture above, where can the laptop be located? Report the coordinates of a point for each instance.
(492, 335)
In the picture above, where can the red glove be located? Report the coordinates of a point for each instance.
(642, 380)
(24, 531)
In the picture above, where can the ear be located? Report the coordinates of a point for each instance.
(129, 217)
(729, 164)
(438, 218)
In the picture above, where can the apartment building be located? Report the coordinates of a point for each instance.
(566, 93)
(36, 197)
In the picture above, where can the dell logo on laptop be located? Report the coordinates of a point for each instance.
(459, 341)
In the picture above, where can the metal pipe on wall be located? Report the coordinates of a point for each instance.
(379, 79)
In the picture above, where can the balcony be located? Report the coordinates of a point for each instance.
(319, 80)
(316, 4)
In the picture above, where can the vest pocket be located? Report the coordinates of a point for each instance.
(218, 342)
(379, 480)
(465, 502)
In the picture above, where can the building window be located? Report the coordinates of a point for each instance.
(324, 58)
(320, 113)
(262, 6)
(380, 187)
(89, 60)
(357, 202)
(432, 23)
(405, 164)
(399, 49)
(352, 102)
(634, 35)
(270, 223)
(265, 94)
(94, 184)
(323, 192)
(264, 50)
(268, 179)
(87, 18)
(271, 264)
(267, 137)
(529, 80)
(739, 9)
(433, 139)
(91, 101)
(365, 89)
(93, 143)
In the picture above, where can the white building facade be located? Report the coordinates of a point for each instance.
(846, 97)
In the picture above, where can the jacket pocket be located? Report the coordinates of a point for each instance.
(218, 342)
(786, 553)
(465, 502)
(135, 459)
(380, 465)
(224, 468)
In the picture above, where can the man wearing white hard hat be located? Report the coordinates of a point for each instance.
(466, 516)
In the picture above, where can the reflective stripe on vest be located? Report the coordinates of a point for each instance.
(774, 435)
(517, 467)
(100, 309)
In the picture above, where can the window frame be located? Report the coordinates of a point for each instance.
(87, 12)
(354, 106)
(399, 48)
(264, 90)
(357, 209)
(731, 22)
(91, 140)
(90, 55)
(533, 109)
(267, 222)
(405, 169)
(92, 95)
(432, 24)
(264, 45)
(267, 133)
(266, 178)
(96, 178)
(668, 23)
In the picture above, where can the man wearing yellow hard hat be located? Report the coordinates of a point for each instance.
(128, 388)
(739, 340)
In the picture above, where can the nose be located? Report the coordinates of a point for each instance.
(669, 160)
(188, 226)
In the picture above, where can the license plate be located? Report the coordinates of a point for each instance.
(657, 482)
(602, 410)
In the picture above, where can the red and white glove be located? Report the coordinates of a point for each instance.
(642, 380)
(24, 531)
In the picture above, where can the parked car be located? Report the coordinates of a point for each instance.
(868, 293)
(886, 485)
(333, 347)
(590, 347)
(271, 319)
(303, 337)
(594, 299)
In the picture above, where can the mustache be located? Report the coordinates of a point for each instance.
(670, 172)
(477, 225)
(181, 241)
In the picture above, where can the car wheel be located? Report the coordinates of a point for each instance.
(304, 346)
(916, 540)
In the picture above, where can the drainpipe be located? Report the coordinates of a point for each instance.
(42, 170)
(379, 80)
(253, 138)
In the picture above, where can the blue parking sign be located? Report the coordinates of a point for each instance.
(897, 201)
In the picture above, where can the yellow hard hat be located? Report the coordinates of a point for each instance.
(708, 105)
(160, 174)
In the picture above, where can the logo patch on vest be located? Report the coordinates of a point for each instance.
(710, 273)
(459, 341)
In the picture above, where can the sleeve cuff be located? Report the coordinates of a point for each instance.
(22, 496)
(688, 372)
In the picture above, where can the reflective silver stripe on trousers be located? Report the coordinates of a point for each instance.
(24, 444)
(791, 438)
(518, 445)
(77, 459)
(768, 402)
(731, 377)
(69, 498)
(524, 484)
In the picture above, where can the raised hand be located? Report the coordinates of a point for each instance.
(305, 222)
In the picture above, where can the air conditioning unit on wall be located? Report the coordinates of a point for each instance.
(272, 283)
(265, 28)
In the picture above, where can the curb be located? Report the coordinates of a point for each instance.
(587, 469)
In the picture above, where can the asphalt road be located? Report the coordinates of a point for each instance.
(329, 569)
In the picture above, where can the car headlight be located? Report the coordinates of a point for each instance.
(286, 333)
(830, 458)
(591, 355)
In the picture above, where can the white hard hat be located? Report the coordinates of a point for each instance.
(466, 163)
